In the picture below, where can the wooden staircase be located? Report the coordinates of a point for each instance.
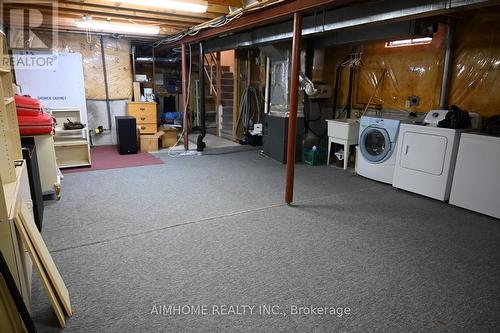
(226, 100)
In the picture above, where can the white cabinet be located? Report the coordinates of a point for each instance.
(476, 182)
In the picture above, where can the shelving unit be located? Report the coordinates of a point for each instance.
(71, 146)
(10, 144)
(14, 188)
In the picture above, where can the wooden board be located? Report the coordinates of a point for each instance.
(43, 253)
(54, 300)
(137, 91)
(118, 62)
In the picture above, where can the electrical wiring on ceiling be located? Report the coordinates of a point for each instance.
(215, 23)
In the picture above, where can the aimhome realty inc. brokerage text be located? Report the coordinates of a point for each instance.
(248, 310)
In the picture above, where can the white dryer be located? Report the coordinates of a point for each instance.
(476, 181)
(426, 156)
(377, 148)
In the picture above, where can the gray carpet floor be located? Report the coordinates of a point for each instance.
(213, 230)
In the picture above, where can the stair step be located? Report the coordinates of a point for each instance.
(222, 68)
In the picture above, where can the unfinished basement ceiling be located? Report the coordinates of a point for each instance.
(65, 12)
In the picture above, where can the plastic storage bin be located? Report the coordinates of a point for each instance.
(315, 156)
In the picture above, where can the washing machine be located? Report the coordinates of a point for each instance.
(426, 156)
(377, 148)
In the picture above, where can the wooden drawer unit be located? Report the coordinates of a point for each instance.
(145, 115)
(147, 128)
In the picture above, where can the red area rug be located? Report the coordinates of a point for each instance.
(107, 157)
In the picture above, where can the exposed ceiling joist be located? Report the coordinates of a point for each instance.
(64, 11)
(213, 10)
(273, 14)
(169, 21)
(232, 3)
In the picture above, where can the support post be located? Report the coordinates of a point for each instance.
(184, 97)
(292, 120)
(106, 86)
(200, 145)
(218, 92)
(154, 69)
(444, 97)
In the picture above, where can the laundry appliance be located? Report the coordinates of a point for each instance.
(476, 180)
(377, 148)
(426, 156)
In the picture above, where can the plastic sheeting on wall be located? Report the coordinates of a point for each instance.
(403, 72)
(475, 82)
(117, 54)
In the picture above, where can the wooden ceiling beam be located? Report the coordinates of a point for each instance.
(212, 12)
(232, 3)
(91, 10)
(66, 24)
(75, 14)
(142, 39)
(132, 14)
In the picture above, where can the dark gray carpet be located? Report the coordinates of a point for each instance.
(212, 230)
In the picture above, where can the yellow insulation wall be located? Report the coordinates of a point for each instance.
(476, 73)
(417, 70)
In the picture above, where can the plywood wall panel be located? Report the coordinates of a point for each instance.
(118, 63)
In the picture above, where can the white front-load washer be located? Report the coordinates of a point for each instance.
(426, 156)
(377, 148)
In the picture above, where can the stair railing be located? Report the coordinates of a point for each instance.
(212, 63)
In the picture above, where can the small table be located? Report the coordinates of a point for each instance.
(344, 132)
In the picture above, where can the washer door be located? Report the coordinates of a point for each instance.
(375, 144)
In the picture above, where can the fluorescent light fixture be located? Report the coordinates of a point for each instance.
(103, 26)
(188, 6)
(409, 42)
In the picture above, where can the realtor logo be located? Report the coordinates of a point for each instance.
(32, 26)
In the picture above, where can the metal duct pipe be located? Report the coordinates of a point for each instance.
(373, 13)
(444, 97)
(106, 88)
(133, 63)
(200, 145)
(184, 98)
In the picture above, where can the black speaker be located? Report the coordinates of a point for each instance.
(126, 134)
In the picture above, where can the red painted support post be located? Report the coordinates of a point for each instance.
(184, 98)
(292, 120)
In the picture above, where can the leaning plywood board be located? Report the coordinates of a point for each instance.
(45, 257)
(41, 272)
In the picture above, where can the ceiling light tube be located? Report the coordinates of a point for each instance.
(118, 27)
(187, 6)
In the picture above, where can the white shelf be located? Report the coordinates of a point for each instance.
(72, 146)
(70, 143)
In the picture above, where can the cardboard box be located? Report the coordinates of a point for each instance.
(169, 139)
(149, 142)
(137, 91)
